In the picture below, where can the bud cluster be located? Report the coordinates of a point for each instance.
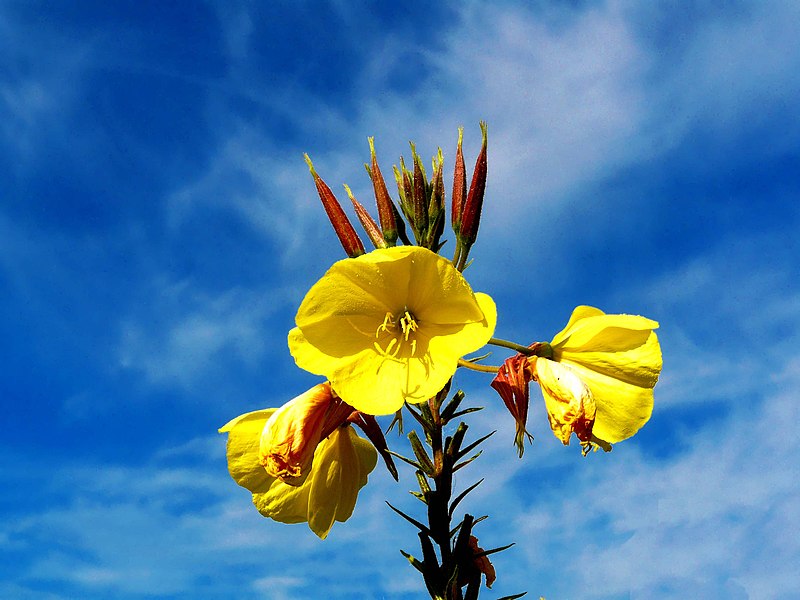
(421, 204)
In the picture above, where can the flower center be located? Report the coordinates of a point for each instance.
(400, 332)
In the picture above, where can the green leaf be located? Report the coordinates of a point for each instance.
(461, 496)
(494, 550)
(473, 445)
(466, 462)
(414, 562)
(411, 520)
(413, 463)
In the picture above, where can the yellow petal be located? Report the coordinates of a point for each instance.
(283, 502)
(632, 356)
(290, 436)
(590, 327)
(580, 312)
(244, 463)
(622, 408)
(342, 466)
(569, 401)
(438, 293)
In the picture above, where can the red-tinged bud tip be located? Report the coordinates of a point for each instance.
(341, 224)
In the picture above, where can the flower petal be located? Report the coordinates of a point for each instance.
(290, 436)
(588, 327)
(244, 463)
(622, 408)
(339, 473)
(632, 356)
(568, 399)
(283, 502)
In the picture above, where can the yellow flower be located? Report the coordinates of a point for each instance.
(618, 358)
(389, 327)
(342, 462)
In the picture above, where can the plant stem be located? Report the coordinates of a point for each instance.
(526, 350)
(476, 367)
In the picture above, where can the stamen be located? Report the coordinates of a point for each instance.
(407, 325)
(387, 325)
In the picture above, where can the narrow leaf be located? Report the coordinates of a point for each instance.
(466, 411)
(466, 462)
(461, 496)
(475, 444)
(414, 562)
(413, 463)
(493, 550)
(411, 520)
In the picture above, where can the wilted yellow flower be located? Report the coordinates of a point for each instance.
(389, 327)
(618, 358)
(512, 383)
(342, 462)
(291, 435)
(568, 400)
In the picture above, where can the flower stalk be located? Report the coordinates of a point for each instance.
(453, 566)
(341, 224)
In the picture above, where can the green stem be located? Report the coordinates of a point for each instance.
(526, 350)
(476, 367)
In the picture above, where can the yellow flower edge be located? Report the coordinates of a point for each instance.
(619, 358)
(389, 327)
(342, 463)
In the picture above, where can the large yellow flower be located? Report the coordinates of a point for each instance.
(617, 357)
(389, 327)
(341, 464)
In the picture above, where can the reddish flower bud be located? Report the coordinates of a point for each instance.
(459, 186)
(341, 224)
(385, 205)
(471, 214)
(367, 222)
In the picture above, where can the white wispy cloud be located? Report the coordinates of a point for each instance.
(188, 335)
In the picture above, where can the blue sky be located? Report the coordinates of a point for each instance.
(158, 229)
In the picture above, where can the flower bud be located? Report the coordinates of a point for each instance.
(341, 224)
(420, 197)
(459, 186)
(386, 210)
(370, 226)
(471, 213)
